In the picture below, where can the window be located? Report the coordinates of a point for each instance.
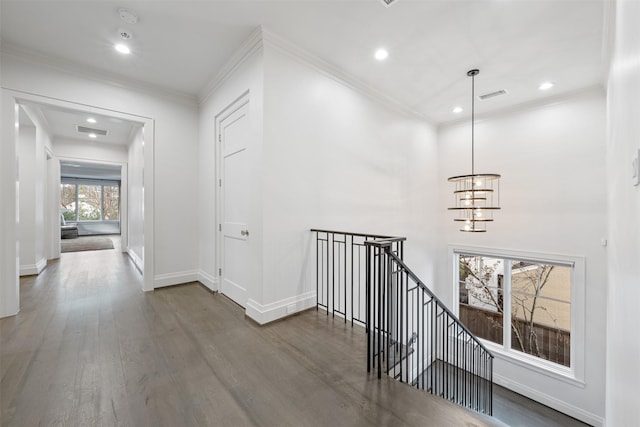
(68, 201)
(482, 309)
(525, 305)
(90, 200)
(111, 202)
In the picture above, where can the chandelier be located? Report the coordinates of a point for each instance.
(476, 195)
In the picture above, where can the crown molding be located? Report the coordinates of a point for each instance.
(9, 50)
(261, 37)
(608, 37)
(251, 45)
(336, 73)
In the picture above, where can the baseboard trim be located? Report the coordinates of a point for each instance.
(137, 261)
(33, 269)
(28, 270)
(550, 401)
(277, 310)
(209, 281)
(170, 279)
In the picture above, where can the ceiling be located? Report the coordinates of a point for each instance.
(180, 45)
(74, 168)
(86, 170)
(63, 124)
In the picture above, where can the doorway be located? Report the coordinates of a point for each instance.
(12, 102)
(234, 200)
(92, 209)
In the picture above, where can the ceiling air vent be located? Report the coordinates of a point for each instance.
(388, 3)
(84, 129)
(492, 94)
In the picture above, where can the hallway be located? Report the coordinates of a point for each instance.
(90, 348)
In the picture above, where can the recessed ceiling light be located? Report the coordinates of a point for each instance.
(545, 86)
(122, 48)
(91, 120)
(457, 110)
(381, 54)
(92, 135)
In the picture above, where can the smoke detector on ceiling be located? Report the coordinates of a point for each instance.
(125, 34)
(127, 16)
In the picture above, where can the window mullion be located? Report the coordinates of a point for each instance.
(506, 289)
(102, 203)
(77, 202)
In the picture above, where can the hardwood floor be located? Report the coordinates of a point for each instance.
(519, 411)
(89, 348)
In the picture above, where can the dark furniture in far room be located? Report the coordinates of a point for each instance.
(67, 231)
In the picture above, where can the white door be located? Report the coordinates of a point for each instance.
(234, 185)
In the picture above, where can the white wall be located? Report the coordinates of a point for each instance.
(42, 140)
(27, 197)
(9, 252)
(623, 209)
(553, 201)
(173, 147)
(90, 151)
(246, 77)
(335, 158)
(323, 155)
(33, 142)
(52, 225)
(135, 199)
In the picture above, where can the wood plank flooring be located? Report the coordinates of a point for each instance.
(89, 348)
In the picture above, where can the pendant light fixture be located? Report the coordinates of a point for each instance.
(476, 195)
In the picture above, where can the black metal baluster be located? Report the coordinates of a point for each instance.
(444, 355)
(418, 335)
(367, 326)
(431, 335)
(380, 296)
(421, 309)
(387, 297)
(335, 278)
(491, 385)
(317, 268)
(345, 292)
(465, 365)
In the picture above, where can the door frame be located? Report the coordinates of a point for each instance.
(227, 111)
(11, 100)
(124, 194)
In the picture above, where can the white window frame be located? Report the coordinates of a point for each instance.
(574, 374)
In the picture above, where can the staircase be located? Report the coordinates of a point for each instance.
(411, 335)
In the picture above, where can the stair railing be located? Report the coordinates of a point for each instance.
(341, 274)
(413, 337)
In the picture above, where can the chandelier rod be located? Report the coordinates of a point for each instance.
(473, 73)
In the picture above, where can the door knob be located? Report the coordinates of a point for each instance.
(244, 232)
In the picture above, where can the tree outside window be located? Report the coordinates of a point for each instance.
(111, 202)
(89, 202)
(539, 313)
(68, 201)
